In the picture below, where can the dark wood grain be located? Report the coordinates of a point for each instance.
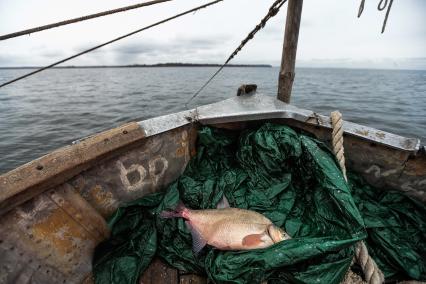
(288, 61)
(159, 273)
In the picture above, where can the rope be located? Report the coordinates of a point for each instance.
(109, 42)
(387, 13)
(273, 10)
(79, 19)
(372, 273)
(361, 8)
(337, 140)
(381, 6)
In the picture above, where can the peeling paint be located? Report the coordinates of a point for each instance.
(378, 173)
(60, 231)
(104, 200)
(380, 135)
(362, 132)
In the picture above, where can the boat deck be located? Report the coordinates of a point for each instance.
(159, 272)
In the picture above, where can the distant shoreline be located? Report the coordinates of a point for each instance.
(145, 66)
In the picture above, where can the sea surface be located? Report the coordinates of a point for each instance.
(56, 107)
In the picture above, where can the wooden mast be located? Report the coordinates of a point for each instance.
(288, 60)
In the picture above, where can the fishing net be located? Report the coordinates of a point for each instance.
(293, 180)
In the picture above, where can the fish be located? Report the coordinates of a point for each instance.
(227, 228)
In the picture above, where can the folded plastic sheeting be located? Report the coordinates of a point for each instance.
(396, 226)
(293, 180)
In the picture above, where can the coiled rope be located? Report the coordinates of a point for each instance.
(273, 10)
(372, 272)
(79, 19)
(109, 42)
(381, 6)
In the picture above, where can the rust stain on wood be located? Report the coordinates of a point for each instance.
(61, 231)
(416, 166)
(55, 168)
(57, 232)
(104, 200)
(80, 211)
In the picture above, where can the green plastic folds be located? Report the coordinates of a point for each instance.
(293, 180)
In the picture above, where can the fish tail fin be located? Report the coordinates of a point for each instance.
(178, 212)
(170, 214)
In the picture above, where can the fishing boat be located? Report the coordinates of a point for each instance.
(54, 208)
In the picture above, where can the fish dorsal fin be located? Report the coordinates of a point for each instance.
(223, 203)
(198, 241)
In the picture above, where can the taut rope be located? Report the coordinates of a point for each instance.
(381, 6)
(273, 10)
(109, 42)
(337, 140)
(79, 19)
(371, 271)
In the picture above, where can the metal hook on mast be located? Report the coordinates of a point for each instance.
(381, 6)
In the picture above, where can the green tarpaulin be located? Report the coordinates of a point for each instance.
(292, 179)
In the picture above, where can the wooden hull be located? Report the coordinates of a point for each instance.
(54, 208)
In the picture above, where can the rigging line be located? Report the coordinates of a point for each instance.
(382, 5)
(273, 10)
(111, 41)
(361, 8)
(387, 15)
(79, 19)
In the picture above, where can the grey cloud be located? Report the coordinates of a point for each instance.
(52, 53)
(141, 48)
(150, 46)
(178, 49)
(85, 46)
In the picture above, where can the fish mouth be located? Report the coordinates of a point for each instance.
(277, 234)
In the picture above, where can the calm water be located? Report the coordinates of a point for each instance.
(58, 106)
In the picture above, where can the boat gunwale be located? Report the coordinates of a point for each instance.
(55, 168)
(261, 107)
(58, 166)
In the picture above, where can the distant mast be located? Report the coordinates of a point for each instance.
(288, 60)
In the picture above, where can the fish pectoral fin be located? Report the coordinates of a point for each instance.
(223, 203)
(198, 242)
(253, 240)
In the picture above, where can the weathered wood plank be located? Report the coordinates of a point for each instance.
(50, 239)
(156, 162)
(29, 180)
(158, 272)
(192, 279)
(288, 60)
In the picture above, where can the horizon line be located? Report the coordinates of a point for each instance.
(136, 65)
(189, 65)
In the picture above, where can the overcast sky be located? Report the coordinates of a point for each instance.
(330, 36)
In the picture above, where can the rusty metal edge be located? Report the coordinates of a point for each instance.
(260, 107)
(29, 180)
